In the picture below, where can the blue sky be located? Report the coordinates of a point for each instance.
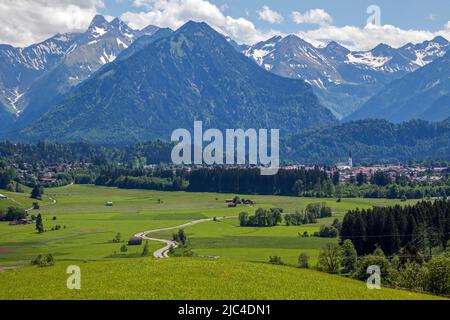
(416, 14)
(319, 21)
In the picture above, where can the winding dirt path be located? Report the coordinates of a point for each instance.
(163, 253)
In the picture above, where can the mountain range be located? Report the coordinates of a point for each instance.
(193, 74)
(343, 80)
(33, 79)
(112, 84)
(423, 94)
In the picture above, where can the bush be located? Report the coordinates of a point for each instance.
(304, 235)
(43, 260)
(437, 277)
(117, 238)
(13, 214)
(328, 232)
(410, 276)
(56, 228)
(275, 260)
(303, 261)
(376, 259)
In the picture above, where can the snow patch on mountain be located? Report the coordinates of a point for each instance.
(107, 58)
(122, 44)
(13, 99)
(259, 54)
(98, 32)
(367, 59)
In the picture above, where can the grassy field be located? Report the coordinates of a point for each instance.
(187, 278)
(88, 227)
(21, 200)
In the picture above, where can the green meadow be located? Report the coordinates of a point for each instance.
(242, 272)
(187, 279)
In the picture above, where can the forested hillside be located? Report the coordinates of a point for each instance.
(371, 141)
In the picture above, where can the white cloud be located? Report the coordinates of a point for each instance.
(313, 16)
(175, 13)
(366, 38)
(29, 21)
(141, 3)
(270, 15)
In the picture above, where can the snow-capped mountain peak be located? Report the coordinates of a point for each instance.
(423, 53)
(336, 73)
(63, 60)
(99, 22)
(262, 49)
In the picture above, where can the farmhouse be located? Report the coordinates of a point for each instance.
(48, 180)
(3, 196)
(109, 204)
(135, 241)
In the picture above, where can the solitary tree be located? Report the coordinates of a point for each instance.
(303, 261)
(349, 256)
(330, 258)
(146, 249)
(182, 236)
(37, 192)
(123, 248)
(39, 224)
(117, 238)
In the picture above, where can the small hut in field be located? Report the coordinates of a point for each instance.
(135, 241)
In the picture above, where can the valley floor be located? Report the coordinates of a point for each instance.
(241, 272)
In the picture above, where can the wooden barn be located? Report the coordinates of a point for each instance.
(135, 241)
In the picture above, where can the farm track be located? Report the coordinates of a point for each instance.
(163, 253)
